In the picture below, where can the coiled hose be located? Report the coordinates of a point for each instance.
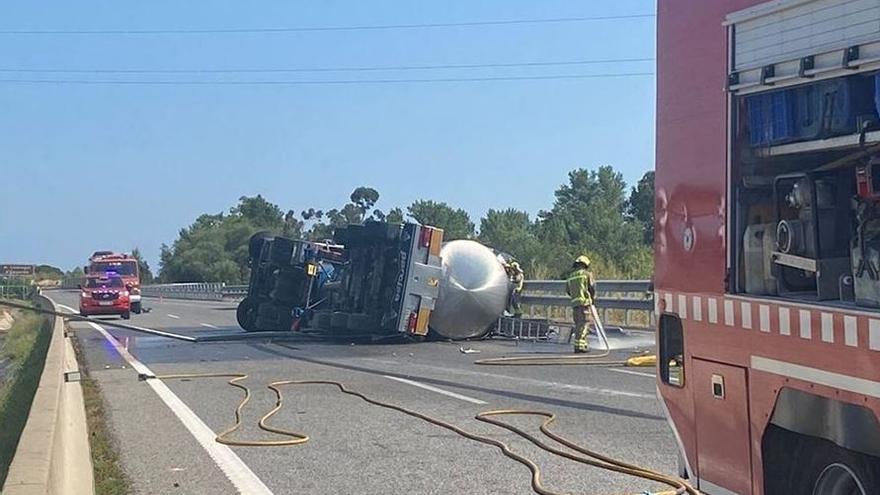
(583, 456)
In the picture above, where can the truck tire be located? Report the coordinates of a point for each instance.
(246, 314)
(255, 243)
(833, 470)
(136, 307)
(797, 464)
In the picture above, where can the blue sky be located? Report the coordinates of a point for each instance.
(87, 167)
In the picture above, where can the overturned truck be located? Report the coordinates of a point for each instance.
(377, 279)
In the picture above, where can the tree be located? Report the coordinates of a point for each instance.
(588, 216)
(292, 227)
(395, 215)
(511, 231)
(44, 272)
(215, 247)
(259, 212)
(456, 223)
(640, 206)
(143, 267)
(364, 198)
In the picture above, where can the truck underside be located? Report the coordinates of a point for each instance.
(377, 279)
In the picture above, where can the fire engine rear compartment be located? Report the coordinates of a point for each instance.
(804, 174)
(805, 185)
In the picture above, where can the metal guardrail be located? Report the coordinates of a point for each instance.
(213, 291)
(548, 298)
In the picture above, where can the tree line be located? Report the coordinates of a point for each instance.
(595, 212)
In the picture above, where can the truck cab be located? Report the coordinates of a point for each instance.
(104, 295)
(122, 265)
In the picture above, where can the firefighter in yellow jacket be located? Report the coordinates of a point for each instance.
(581, 289)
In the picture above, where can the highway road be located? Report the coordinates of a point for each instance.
(165, 428)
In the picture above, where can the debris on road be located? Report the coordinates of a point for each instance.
(468, 350)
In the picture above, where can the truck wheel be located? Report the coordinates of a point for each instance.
(833, 470)
(136, 308)
(255, 243)
(246, 314)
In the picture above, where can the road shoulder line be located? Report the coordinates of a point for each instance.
(238, 473)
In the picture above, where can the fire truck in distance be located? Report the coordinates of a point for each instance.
(125, 266)
(767, 247)
(104, 295)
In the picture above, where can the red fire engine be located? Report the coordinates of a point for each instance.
(123, 265)
(768, 243)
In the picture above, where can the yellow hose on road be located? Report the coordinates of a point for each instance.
(586, 456)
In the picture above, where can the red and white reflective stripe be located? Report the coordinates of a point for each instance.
(850, 328)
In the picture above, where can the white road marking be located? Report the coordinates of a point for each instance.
(438, 390)
(173, 316)
(528, 381)
(241, 476)
(208, 325)
(631, 372)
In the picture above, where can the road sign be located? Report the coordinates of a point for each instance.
(17, 270)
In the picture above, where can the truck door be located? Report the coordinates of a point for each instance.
(722, 424)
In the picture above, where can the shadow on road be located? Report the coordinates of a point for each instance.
(433, 381)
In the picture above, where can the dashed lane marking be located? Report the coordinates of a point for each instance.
(437, 390)
(631, 372)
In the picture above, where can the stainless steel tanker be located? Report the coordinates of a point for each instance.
(474, 289)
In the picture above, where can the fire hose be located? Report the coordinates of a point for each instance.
(582, 455)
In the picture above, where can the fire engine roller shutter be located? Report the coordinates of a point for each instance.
(789, 41)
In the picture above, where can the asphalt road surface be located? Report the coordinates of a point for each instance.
(165, 429)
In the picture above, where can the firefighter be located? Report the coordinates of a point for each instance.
(581, 289)
(518, 279)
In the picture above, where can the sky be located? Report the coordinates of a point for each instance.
(94, 166)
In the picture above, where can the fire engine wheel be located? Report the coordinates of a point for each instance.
(246, 314)
(126, 315)
(136, 308)
(833, 470)
(839, 479)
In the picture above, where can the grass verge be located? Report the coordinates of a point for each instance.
(110, 479)
(25, 346)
